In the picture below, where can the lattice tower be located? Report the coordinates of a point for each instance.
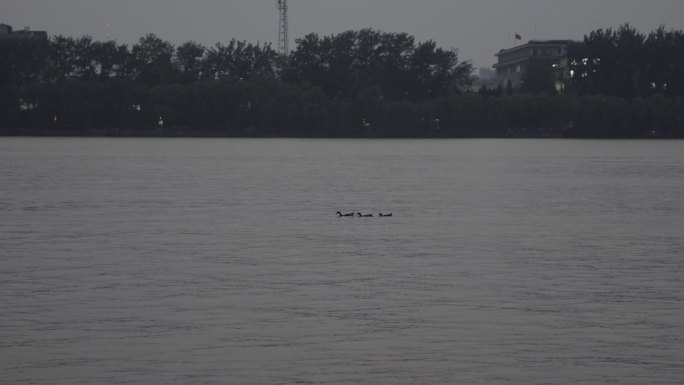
(283, 46)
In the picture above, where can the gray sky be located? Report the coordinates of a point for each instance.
(478, 28)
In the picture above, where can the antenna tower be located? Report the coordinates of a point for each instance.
(283, 47)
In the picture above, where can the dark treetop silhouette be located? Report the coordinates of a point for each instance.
(363, 83)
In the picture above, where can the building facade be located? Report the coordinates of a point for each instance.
(514, 63)
(5, 29)
(6, 32)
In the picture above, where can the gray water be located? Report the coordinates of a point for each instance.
(193, 261)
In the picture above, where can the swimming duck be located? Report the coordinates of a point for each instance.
(364, 215)
(385, 215)
(339, 214)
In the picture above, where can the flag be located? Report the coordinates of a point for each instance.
(518, 37)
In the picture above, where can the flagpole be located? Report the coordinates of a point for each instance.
(517, 37)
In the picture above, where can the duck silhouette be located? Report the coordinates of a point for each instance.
(385, 215)
(364, 215)
(339, 214)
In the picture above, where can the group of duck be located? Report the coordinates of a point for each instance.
(360, 215)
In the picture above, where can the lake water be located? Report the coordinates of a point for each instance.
(199, 261)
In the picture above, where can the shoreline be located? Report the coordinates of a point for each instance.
(245, 135)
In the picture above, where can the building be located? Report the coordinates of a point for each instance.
(514, 62)
(5, 29)
(6, 32)
(486, 78)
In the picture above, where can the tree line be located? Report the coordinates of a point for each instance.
(363, 83)
(627, 63)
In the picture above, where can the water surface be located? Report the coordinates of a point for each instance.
(199, 261)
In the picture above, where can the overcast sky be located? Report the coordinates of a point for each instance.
(478, 28)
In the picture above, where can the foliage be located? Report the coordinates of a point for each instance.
(355, 84)
(626, 63)
(540, 77)
(352, 61)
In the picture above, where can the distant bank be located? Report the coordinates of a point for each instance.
(305, 114)
(356, 84)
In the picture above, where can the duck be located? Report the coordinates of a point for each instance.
(385, 215)
(364, 215)
(339, 214)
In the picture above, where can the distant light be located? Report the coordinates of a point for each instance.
(26, 105)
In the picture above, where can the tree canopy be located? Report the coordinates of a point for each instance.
(347, 63)
(364, 83)
(627, 63)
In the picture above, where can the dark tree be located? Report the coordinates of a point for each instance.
(609, 62)
(152, 61)
(239, 60)
(349, 62)
(189, 58)
(540, 77)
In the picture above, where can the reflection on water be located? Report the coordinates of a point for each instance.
(176, 261)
